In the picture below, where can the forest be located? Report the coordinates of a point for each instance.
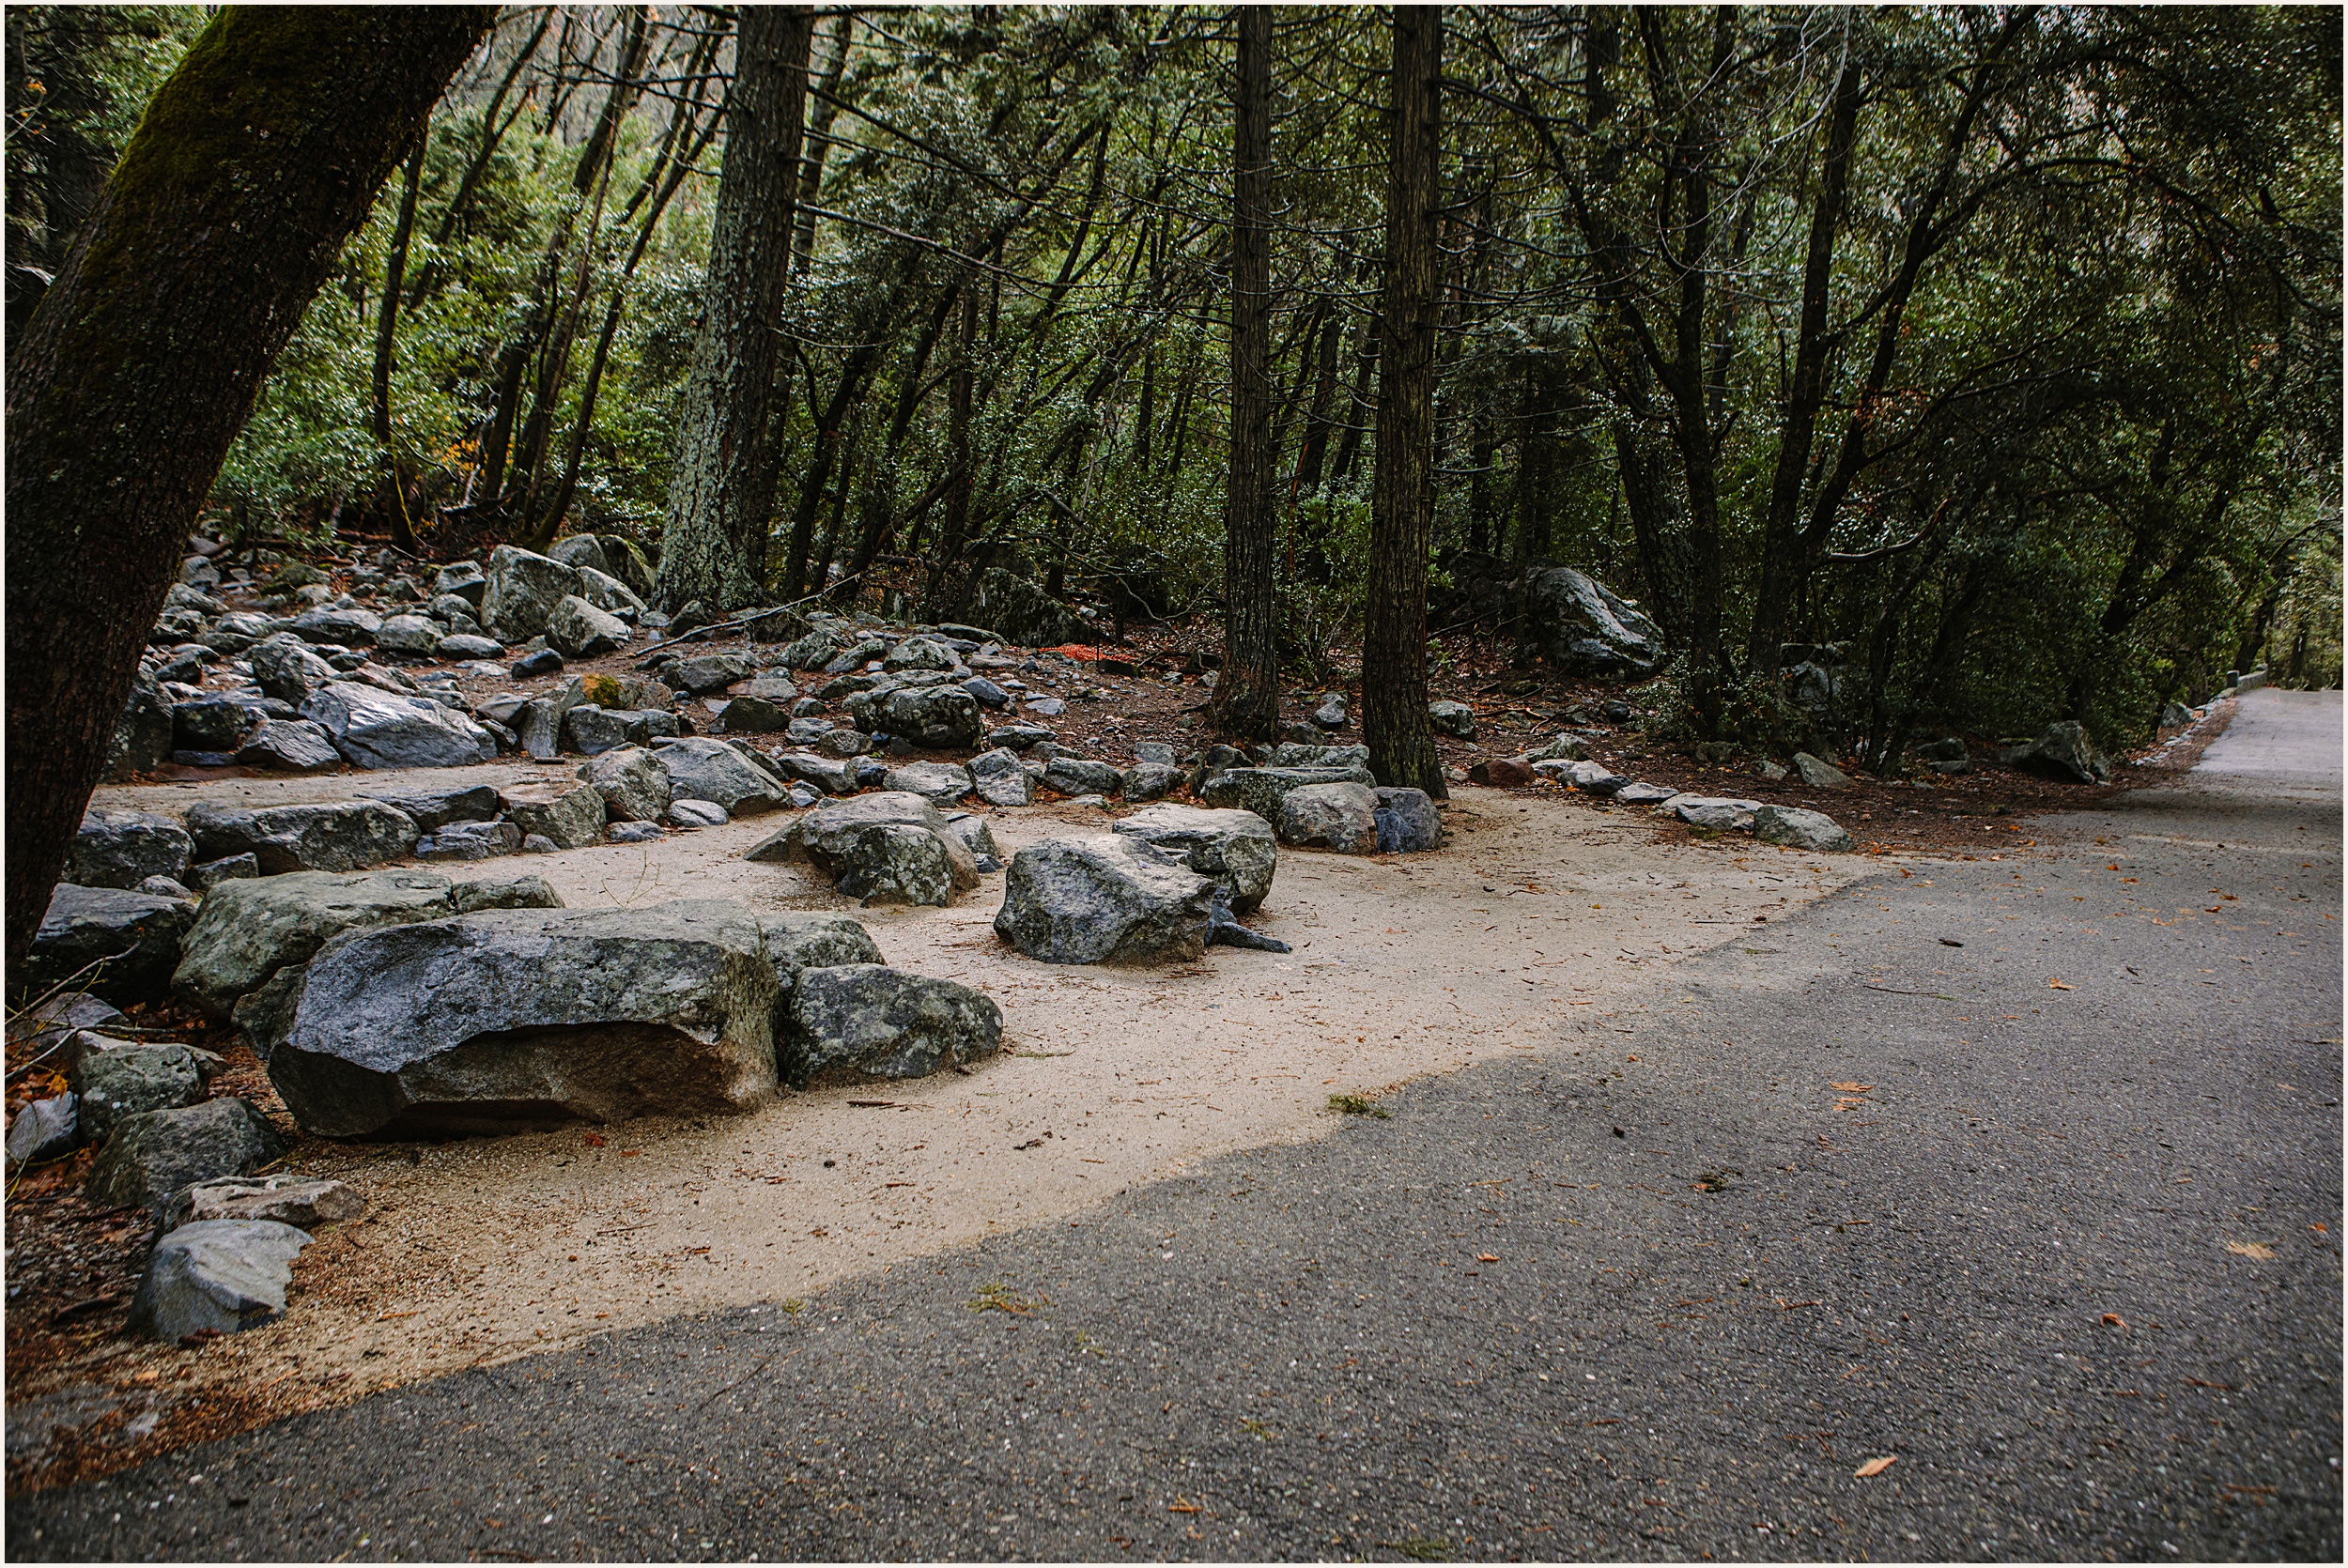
(1985, 358)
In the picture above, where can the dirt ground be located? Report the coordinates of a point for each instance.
(1521, 931)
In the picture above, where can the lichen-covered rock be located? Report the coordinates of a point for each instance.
(891, 846)
(1818, 772)
(1339, 817)
(245, 931)
(700, 768)
(834, 775)
(123, 1080)
(1456, 719)
(376, 729)
(1406, 821)
(122, 849)
(1021, 612)
(634, 786)
(800, 939)
(1719, 813)
(1803, 830)
(45, 1129)
(1236, 848)
(1000, 779)
(289, 746)
(333, 836)
(522, 590)
(1262, 790)
(2064, 752)
(1106, 899)
(1584, 628)
(127, 942)
(407, 634)
(154, 1154)
(939, 783)
(578, 630)
(1078, 775)
(571, 818)
(216, 1276)
(506, 891)
(940, 717)
(516, 1018)
(867, 1020)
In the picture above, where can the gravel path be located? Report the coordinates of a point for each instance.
(2022, 1175)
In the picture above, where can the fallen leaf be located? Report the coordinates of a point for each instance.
(593, 1140)
(2057, 985)
(1851, 1088)
(2113, 1320)
(2251, 1249)
(1485, 1257)
(1875, 1467)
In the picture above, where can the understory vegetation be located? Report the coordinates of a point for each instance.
(1987, 358)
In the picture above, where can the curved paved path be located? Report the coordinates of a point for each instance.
(1873, 1186)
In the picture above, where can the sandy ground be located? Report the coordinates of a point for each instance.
(482, 1250)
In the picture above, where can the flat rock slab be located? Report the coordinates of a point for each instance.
(518, 1018)
(1717, 812)
(700, 768)
(375, 729)
(245, 931)
(122, 849)
(1236, 848)
(284, 1199)
(341, 836)
(221, 1276)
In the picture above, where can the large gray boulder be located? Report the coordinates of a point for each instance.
(216, 1276)
(1819, 774)
(1021, 612)
(376, 729)
(700, 768)
(513, 1018)
(142, 737)
(153, 1155)
(1106, 899)
(2064, 752)
(332, 836)
(1803, 830)
(571, 817)
(1236, 848)
(245, 933)
(1262, 790)
(888, 847)
(1584, 628)
(123, 1080)
(607, 592)
(127, 942)
(578, 630)
(122, 849)
(523, 589)
(633, 784)
(865, 1021)
(580, 552)
(1339, 817)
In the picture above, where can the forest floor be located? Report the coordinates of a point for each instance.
(474, 1252)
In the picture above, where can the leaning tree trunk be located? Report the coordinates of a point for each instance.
(724, 488)
(1247, 702)
(1403, 488)
(257, 159)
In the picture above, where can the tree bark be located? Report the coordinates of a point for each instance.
(1402, 489)
(723, 487)
(255, 162)
(1248, 700)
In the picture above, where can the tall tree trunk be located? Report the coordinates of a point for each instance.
(715, 548)
(255, 162)
(1402, 490)
(1248, 700)
(393, 485)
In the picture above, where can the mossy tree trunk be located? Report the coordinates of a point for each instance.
(1247, 702)
(257, 159)
(723, 486)
(1403, 486)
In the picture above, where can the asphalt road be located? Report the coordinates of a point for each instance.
(2071, 1261)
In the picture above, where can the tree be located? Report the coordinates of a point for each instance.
(723, 486)
(258, 157)
(1248, 700)
(1402, 492)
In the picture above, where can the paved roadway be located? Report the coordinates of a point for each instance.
(2071, 1262)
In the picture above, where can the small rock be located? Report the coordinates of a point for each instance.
(226, 869)
(698, 813)
(1406, 821)
(1772, 771)
(1502, 771)
(1644, 793)
(45, 1129)
(1018, 737)
(432, 807)
(919, 653)
(1046, 707)
(1332, 713)
(1804, 830)
(465, 579)
(408, 634)
(634, 786)
(633, 833)
(1558, 748)
(866, 1021)
(1456, 719)
(125, 1079)
(1147, 782)
(1260, 789)
(939, 783)
(151, 1155)
(1000, 779)
(1716, 812)
(1819, 774)
(288, 1200)
(546, 661)
(216, 1276)
(289, 746)
(214, 723)
(2064, 752)
(700, 768)
(1076, 775)
(754, 716)
(988, 694)
(578, 630)
(523, 590)
(127, 942)
(508, 892)
(122, 849)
